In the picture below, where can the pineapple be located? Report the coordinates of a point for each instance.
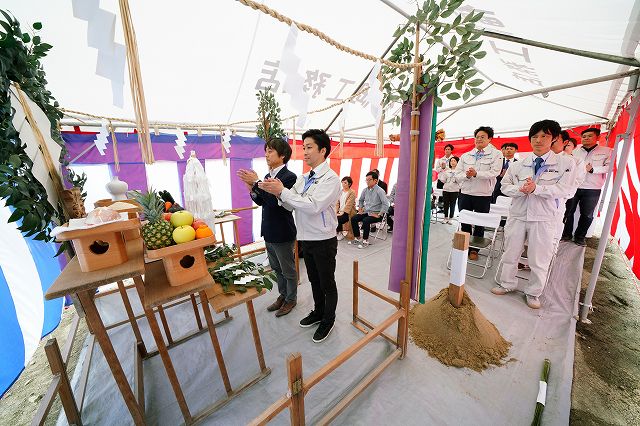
(157, 231)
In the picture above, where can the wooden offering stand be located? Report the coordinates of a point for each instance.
(101, 246)
(184, 262)
(132, 213)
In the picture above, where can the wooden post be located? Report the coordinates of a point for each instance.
(58, 368)
(355, 291)
(403, 322)
(196, 312)
(413, 168)
(132, 318)
(458, 267)
(294, 374)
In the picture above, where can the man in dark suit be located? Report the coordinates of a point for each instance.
(509, 150)
(382, 184)
(278, 227)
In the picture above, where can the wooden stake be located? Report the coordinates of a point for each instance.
(456, 290)
(65, 392)
(413, 170)
(294, 374)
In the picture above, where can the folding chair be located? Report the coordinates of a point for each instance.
(524, 260)
(487, 220)
(381, 226)
(503, 211)
(437, 193)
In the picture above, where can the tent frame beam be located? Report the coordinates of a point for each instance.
(616, 59)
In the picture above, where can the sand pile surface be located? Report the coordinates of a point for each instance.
(459, 337)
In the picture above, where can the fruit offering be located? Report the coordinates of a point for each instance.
(184, 234)
(157, 231)
(203, 232)
(198, 223)
(181, 218)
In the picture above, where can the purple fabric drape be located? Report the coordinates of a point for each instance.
(132, 170)
(397, 271)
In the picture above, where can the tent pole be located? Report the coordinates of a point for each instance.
(613, 200)
(531, 92)
(632, 62)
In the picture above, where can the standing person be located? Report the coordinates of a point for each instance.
(372, 205)
(570, 146)
(313, 198)
(536, 184)
(476, 171)
(596, 160)
(346, 205)
(509, 150)
(382, 184)
(277, 227)
(442, 165)
(450, 189)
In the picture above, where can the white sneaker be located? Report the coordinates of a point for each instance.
(500, 291)
(533, 302)
(340, 236)
(364, 244)
(355, 241)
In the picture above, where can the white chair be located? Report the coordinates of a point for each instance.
(488, 220)
(503, 201)
(381, 227)
(437, 193)
(503, 211)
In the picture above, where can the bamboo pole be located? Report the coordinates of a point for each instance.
(413, 168)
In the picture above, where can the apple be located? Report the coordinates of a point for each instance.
(167, 216)
(181, 218)
(184, 234)
(198, 223)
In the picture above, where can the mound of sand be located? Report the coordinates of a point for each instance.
(459, 337)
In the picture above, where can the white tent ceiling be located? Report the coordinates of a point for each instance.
(193, 58)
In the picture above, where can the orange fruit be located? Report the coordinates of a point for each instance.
(203, 232)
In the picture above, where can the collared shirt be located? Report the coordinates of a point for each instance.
(374, 200)
(487, 164)
(599, 157)
(544, 160)
(274, 172)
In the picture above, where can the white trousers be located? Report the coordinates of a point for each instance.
(541, 238)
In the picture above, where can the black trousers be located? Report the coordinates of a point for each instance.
(390, 218)
(342, 219)
(450, 199)
(474, 203)
(366, 224)
(587, 199)
(320, 260)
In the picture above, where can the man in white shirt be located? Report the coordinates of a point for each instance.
(509, 150)
(477, 171)
(537, 184)
(312, 198)
(442, 165)
(596, 160)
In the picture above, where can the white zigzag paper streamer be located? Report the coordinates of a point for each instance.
(181, 141)
(226, 140)
(100, 35)
(101, 138)
(294, 81)
(374, 94)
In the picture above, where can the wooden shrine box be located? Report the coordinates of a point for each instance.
(101, 246)
(184, 262)
(131, 211)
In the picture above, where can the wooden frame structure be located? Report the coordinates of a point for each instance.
(299, 387)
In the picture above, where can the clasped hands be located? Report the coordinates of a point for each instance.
(271, 185)
(471, 172)
(528, 187)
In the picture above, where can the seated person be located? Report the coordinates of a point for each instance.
(372, 205)
(346, 205)
(392, 202)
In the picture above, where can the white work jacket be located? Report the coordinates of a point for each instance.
(599, 157)
(442, 164)
(314, 208)
(488, 167)
(554, 181)
(448, 177)
(581, 173)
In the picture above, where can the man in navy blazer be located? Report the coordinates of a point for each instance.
(278, 227)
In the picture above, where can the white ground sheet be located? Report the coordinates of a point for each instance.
(412, 391)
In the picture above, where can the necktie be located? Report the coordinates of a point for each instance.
(538, 162)
(311, 173)
(506, 165)
(309, 181)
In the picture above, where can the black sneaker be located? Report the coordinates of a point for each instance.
(310, 320)
(566, 238)
(580, 241)
(322, 332)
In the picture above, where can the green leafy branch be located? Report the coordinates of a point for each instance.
(270, 125)
(20, 54)
(451, 72)
(227, 277)
(77, 181)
